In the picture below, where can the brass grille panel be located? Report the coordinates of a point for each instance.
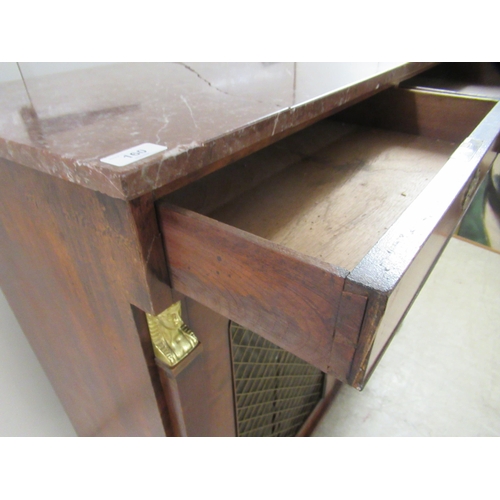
(275, 391)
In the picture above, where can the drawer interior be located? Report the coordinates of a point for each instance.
(320, 242)
(337, 202)
(331, 191)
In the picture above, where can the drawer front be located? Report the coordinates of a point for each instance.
(279, 295)
(339, 320)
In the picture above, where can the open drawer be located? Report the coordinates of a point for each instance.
(321, 241)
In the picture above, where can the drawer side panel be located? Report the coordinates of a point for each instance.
(393, 272)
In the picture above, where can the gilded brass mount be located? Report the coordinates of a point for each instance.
(172, 339)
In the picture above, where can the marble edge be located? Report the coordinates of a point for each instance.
(185, 160)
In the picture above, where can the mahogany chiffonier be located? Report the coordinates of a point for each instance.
(211, 249)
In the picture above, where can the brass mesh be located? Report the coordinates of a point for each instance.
(275, 391)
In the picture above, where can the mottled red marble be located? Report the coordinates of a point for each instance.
(207, 114)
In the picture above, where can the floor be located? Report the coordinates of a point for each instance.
(440, 377)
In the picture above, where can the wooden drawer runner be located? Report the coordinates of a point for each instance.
(320, 242)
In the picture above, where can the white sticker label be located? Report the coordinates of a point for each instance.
(131, 155)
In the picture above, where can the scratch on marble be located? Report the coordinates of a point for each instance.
(275, 123)
(220, 90)
(10, 148)
(179, 149)
(184, 100)
(201, 78)
(166, 121)
(109, 180)
(182, 148)
(155, 185)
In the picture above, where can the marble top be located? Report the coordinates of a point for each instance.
(205, 115)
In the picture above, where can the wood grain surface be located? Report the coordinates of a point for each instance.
(71, 266)
(393, 272)
(199, 390)
(346, 336)
(436, 115)
(206, 385)
(361, 199)
(290, 300)
(336, 204)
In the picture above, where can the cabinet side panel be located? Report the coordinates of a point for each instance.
(69, 266)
